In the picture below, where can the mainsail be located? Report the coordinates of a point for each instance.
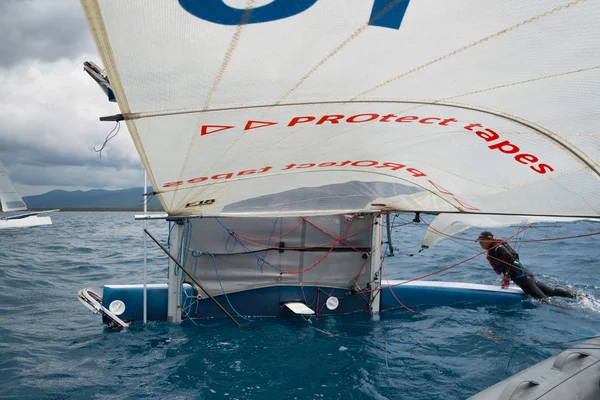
(312, 107)
(9, 198)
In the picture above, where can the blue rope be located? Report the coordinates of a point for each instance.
(197, 254)
(186, 309)
(262, 260)
(172, 225)
(223, 290)
(246, 249)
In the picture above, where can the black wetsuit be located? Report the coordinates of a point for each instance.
(505, 260)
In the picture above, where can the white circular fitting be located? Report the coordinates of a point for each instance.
(117, 307)
(332, 303)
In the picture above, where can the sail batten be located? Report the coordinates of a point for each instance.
(320, 106)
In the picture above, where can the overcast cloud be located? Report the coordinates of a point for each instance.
(50, 108)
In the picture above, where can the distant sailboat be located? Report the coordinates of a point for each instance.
(11, 201)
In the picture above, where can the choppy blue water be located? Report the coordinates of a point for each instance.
(51, 347)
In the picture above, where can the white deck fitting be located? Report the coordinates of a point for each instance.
(299, 308)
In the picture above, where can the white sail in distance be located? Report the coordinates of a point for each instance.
(323, 106)
(10, 200)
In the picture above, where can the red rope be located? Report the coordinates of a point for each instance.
(360, 272)
(458, 263)
(272, 237)
(392, 291)
(399, 226)
(325, 302)
(441, 270)
(324, 256)
(558, 238)
(340, 239)
(305, 247)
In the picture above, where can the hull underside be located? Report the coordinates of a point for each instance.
(24, 222)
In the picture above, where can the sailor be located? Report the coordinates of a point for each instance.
(505, 260)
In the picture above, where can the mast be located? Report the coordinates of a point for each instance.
(389, 234)
(145, 248)
(174, 293)
(374, 266)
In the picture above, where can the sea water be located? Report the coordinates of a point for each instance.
(52, 347)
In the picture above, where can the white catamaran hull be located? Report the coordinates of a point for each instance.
(24, 221)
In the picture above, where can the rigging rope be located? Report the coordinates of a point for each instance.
(259, 260)
(393, 294)
(109, 137)
(327, 244)
(338, 241)
(248, 238)
(453, 265)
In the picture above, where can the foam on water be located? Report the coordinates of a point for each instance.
(589, 302)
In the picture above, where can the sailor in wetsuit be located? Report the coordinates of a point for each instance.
(505, 260)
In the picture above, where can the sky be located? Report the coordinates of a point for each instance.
(50, 108)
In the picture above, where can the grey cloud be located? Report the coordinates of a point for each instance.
(76, 176)
(35, 164)
(50, 107)
(49, 127)
(42, 30)
(25, 152)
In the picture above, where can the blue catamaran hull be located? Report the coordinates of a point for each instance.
(271, 301)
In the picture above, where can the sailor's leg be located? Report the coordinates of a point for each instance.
(529, 287)
(554, 291)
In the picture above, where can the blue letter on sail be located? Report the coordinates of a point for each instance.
(220, 13)
(388, 13)
(385, 13)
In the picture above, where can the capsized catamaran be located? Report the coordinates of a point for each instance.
(11, 201)
(276, 133)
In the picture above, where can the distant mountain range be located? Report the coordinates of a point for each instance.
(93, 200)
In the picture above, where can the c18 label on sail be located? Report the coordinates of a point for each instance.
(201, 203)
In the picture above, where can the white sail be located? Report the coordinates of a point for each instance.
(445, 226)
(323, 106)
(10, 200)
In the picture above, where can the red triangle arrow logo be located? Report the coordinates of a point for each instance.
(439, 188)
(258, 124)
(208, 129)
(466, 205)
